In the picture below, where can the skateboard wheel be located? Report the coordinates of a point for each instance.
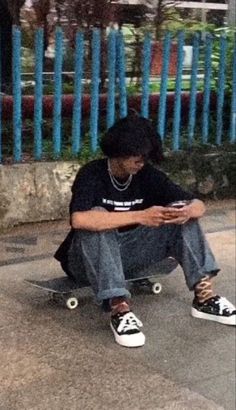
(72, 303)
(156, 288)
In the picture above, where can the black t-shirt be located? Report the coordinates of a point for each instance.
(93, 188)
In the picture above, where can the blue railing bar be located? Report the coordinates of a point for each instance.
(38, 97)
(146, 76)
(0, 125)
(78, 90)
(221, 90)
(111, 65)
(233, 100)
(57, 92)
(177, 104)
(207, 88)
(96, 46)
(0, 107)
(121, 75)
(193, 89)
(16, 80)
(164, 84)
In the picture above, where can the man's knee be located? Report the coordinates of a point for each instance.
(95, 239)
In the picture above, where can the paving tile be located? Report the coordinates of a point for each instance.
(223, 396)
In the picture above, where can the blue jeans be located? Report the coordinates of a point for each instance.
(110, 257)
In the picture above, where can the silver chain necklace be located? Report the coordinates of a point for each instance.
(116, 184)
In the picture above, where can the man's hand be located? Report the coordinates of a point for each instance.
(194, 209)
(153, 216)
(177, 216)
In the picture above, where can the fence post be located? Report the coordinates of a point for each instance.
(96, 46)
(177, 106)
(233, 100)
(16, 77)
(221, 90)
(121, 75)
(146, 76)
(78, 89)
(111, 63)
(57, 92)
(164, 83)
(0, 125)
(0, 105)
(207, 88)
(38, 95)
(193, 89)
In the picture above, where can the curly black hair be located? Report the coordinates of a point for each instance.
(132, 136)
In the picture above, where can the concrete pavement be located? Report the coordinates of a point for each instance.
(53, 358)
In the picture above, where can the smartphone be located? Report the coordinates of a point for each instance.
(178, 204)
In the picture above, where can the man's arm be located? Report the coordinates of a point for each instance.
(99, 220)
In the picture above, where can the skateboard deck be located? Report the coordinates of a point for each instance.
(61, 284)
(66, 287)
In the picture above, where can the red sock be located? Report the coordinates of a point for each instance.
(119, 304)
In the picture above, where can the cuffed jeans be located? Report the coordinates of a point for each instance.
(110, 257)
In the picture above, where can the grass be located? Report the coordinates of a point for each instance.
(132, 87)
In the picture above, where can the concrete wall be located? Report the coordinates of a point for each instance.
(35, 192)
(40, 191)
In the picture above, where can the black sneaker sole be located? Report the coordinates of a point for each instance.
(225, 320)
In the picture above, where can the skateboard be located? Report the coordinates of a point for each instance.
(63, 288)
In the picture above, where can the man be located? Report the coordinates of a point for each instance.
(123, 222)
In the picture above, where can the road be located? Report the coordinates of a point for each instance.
(52, 358)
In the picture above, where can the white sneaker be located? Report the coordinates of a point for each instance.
(126, 329)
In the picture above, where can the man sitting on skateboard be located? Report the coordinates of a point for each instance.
(123, 222)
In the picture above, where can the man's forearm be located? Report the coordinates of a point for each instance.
(99, 220)
(94, 220)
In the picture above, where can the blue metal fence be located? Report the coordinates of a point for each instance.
(16, 79)
(78, 91)
(38, 99)
(116, 74)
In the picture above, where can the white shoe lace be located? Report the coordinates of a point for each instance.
(129, 322)
(224, 304)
